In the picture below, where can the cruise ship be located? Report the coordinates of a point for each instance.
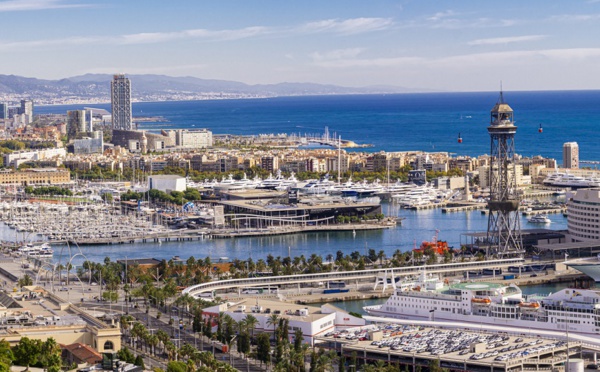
(558, 179)
(494, 303)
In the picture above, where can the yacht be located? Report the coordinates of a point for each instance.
(272, 183)
(552, 178)
(231, 184)
(322, 186)
(36, 251)
(539, 218)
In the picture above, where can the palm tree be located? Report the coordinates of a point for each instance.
(153, 341)
(273, 320)
(381, 257)
(251, 323)
(163, 337)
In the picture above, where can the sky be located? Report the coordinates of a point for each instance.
(421, 45)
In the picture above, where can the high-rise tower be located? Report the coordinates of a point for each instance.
(504, 226)
(26, 109)
(571, 155)
(3, 111)
(120, 99)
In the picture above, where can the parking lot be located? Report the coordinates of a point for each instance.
(452, 347)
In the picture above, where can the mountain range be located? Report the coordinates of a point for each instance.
(96, 88)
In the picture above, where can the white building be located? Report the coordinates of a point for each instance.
(571, 155)
(583, 215)
(312, 321)
(484, 176)
(192, 139)
(17, 158)
(167, 183)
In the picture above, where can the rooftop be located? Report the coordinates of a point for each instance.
(480, 286)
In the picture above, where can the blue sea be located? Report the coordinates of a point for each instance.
(396, 122)
(400, 122)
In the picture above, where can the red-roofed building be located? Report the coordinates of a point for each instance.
(80, 353)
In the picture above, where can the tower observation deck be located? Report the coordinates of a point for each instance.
(504, 226)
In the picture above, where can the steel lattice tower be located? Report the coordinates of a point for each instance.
(504, 226)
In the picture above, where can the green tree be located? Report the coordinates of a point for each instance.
(176, 366)
(107, 197)
(50, 355)
(6, 356)
(263, 348)
(27, 352)
(125, 355)
(26, 280)
(139, 361)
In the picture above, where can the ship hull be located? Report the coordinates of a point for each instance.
(481, 320)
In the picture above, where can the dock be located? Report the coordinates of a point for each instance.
(462, 207)
(192, 234)
(533, 212)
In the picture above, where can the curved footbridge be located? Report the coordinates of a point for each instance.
(381, 276)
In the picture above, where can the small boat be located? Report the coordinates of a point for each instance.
(539, 218)
(530, 305)
(484, 301)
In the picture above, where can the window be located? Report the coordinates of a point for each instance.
(108, 345)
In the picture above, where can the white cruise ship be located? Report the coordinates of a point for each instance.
(493, 303)
(558, 179)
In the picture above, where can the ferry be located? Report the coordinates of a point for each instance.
(493, 303)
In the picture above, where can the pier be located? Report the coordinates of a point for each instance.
(462, 207)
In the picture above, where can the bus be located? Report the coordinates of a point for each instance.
(337, 284)
(260, 290)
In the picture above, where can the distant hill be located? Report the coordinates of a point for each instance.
(96, 88)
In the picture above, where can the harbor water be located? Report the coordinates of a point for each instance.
(416, 226)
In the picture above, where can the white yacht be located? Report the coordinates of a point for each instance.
(322, 186)
(539, 218)
(36, 251)
(231, 184)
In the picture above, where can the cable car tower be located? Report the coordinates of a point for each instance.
(504, 225)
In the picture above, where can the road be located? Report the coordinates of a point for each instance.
(178, 336)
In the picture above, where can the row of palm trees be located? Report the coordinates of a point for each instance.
(160, 344)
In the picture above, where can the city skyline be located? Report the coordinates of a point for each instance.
(458, 46)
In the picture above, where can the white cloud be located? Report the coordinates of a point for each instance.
(466, 60)
(160, 37)
(348, 26)
(31, 5)
(148, 70)
(441, 15)
(140, 38)
(574, 17)
(337, 54)
(519, 57)
(507, 40)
